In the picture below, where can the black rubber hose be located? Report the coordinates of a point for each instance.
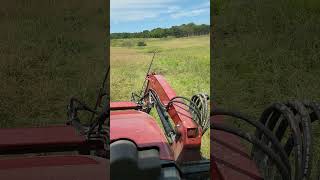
(201, 119)
(305, 127)
(289, 119)
(284, 171)
(261, 129)
(298, 116)
(191, 106)
(165, 122)
(202, 103)
(315, 114)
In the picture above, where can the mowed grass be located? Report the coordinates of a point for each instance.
(264, 52)
(184, 62)
(49, 51)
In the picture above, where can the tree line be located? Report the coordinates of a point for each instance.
(183, 30)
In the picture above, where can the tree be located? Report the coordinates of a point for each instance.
(183, 30)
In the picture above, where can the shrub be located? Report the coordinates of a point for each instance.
(127, 44)
(141, 43)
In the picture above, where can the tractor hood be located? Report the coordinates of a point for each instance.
(140, 128)
(54, 167)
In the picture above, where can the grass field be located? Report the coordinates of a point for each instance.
(184, 62)
(49, 51)
(264, 52)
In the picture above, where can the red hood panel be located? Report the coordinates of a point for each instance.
(140, 128)
(54, 168)
(229, 158)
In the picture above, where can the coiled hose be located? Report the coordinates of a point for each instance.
(198, 106)
(270, 143)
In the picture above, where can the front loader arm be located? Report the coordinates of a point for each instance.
(187, 142)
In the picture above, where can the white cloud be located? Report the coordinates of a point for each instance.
(132, 16)
(190, 13)
(172, 9)
(135, 10)
(132, 4)
(193, 11)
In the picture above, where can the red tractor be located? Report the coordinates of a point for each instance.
(74, 150)
(140, 149)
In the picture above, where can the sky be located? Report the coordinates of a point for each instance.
(139, 15)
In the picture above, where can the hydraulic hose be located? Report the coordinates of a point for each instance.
(197, 107)
(261, 128)
(293, 117)
(281, 166)
(296, 134)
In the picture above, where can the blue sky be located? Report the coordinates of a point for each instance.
(139, 15)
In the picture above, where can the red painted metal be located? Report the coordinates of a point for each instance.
(123, 105)
(45, 161)
(55, 168)
(140, 128)
(186, 148)
(29, 164)
(229, 158)
(215, 173)
(144, 131)
(24, 138)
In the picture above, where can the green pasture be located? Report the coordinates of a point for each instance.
(184, 62)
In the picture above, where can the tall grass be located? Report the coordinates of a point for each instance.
(184, 62)
(49, 51)
(266, 51)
